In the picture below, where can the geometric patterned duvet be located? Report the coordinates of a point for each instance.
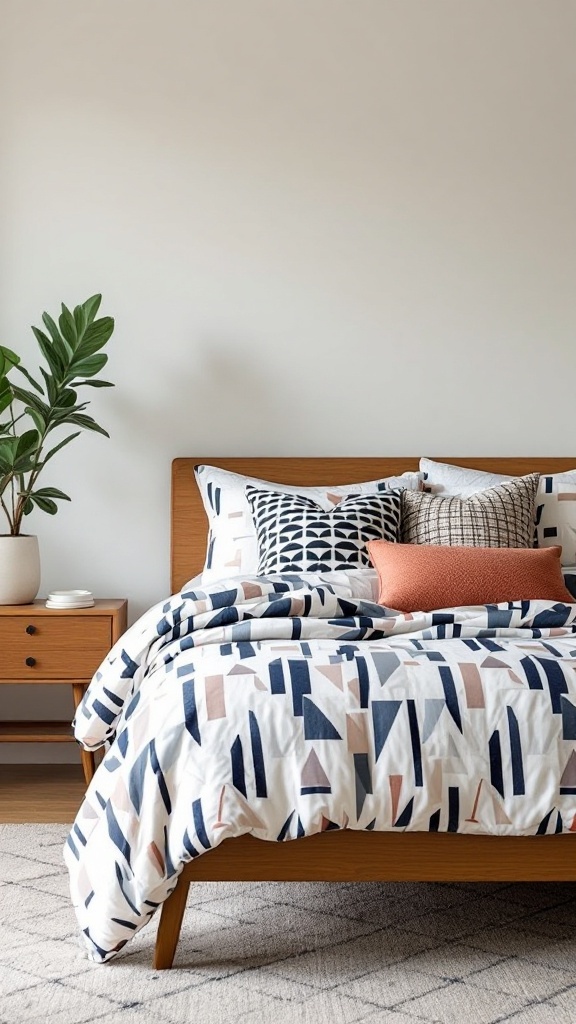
(289, 705)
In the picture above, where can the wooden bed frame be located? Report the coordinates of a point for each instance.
(346, 855)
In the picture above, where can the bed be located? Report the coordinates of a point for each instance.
(337, 852)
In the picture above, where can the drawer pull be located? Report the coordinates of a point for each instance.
(30, 630)
(30, 662)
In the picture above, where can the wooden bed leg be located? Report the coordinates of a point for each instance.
(171, 916)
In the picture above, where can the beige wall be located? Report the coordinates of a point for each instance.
(323, 226)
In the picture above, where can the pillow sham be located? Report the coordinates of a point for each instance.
(295, 534)
(569, 574)
(555, 501)
(556, 514)
(499, 517)
(232, 546)
(457, 481)
(426, 577)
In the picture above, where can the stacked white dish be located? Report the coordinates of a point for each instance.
(68, 599)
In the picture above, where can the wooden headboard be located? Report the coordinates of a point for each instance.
(188, 519)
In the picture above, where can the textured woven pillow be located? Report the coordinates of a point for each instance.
(555, 501)
(295, 534)
(417, 577)
(500, 517)
(232, 547)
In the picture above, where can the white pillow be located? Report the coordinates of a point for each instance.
(456, 481)
(556, 514)
(232, 545)
(555, 501)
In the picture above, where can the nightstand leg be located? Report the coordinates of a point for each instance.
(78, 691)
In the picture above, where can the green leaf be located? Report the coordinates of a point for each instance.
(60, 417)
(25, 465)
(95, 337)
(91, 307)
(31, 380)
(9, 358)
(31, 400)
(50, 492)
(25, 451)
(67, 326)
(37, 419)
(8, 451)
(90, 366)
(6, 396)
(27, 442)
(59, 346)
(45, 504)
(28, 507)
(80, 420)
(49, 353)
(60, 445)
(94, 384)
(66, 398)
(51, 327)
(81, 321)
(51, 387)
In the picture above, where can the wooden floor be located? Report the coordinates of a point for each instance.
(40, 792)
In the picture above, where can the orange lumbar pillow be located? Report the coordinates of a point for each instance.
(422, 577)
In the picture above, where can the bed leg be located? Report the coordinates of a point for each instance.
(171, 916)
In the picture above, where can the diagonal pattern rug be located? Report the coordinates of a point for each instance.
(278, 953)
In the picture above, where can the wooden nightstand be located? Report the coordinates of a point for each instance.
(41, 645)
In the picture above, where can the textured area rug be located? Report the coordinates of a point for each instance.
(279, 952)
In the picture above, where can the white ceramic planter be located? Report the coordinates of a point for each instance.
(19, 569)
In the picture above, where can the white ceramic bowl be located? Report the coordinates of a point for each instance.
(69, 606)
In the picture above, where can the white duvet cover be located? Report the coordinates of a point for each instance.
(284, 706)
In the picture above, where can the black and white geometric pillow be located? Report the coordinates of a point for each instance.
(295, 534)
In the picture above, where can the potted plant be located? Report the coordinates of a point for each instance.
(72, 350)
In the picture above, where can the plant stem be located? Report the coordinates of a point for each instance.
(24, 492)
(7, 514)
(12, 488)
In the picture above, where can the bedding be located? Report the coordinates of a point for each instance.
(556, 514)
(555, 501)
(232, 547)
(429, 576)
(569, 574)
(457, 481)
(499, 517)
(294, 534)
(292, 704)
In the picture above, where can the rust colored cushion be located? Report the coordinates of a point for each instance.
(423, 577)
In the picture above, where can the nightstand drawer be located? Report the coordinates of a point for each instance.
(59, 647)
